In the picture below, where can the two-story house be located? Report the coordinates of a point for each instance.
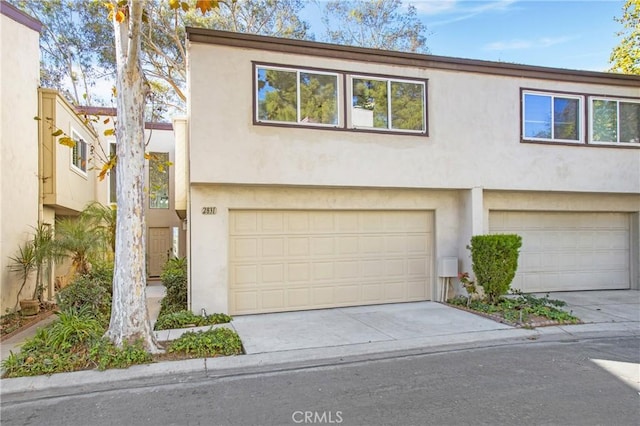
(320, 175)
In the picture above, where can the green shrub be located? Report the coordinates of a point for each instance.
(174, 278)
(495, 261)
(219, 341)
(102, 273)
(86, 293)
(181, 319)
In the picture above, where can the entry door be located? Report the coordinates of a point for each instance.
(160, 245)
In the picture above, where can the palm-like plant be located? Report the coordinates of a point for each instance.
(81, 239)
(46, 251)
(104, 218)
(23, 263)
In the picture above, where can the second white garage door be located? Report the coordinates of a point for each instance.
(568, 251)
(297, 260)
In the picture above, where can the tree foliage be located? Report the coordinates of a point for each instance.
(76, 45)
(380, 24)
(625, 57)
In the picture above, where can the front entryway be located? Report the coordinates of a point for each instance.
(159, 249)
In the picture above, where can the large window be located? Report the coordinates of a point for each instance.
(297, 96)
(552, 117)
(387, 104)
(159, 180)
(337, 99)
(615, 120)
(79, 152)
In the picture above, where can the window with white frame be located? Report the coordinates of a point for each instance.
(551, 117)
(79, 152)
(285, 95)
(614, 120)
(112, 176)
(387, 104)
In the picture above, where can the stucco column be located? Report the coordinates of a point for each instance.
(471, 223)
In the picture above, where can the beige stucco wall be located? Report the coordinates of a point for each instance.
(19, 78)
(65, 187)
(474, 135)
(471, 162)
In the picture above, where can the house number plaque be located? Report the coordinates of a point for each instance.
(209, 210)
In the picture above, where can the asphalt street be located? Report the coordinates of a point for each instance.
(532, 383)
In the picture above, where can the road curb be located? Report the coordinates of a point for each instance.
(65, 384)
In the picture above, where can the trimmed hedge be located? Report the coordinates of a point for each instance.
(174, 278)
(495, 261)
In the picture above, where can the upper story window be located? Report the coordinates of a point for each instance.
(297, 96)
(388, 104)
(79, 152)
(552, 117)
(339, 100)
(615, 120)
(159, 180)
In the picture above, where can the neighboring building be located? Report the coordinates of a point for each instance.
(42, 180)
(319, 175)
(19, 78)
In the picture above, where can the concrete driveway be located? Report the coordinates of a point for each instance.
(409, 324)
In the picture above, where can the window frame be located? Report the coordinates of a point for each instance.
(617, 100)
(343, 101)
(82, 146)
(553, 95)
(389, 81)
(112, 176)
(298, 71)
(168, 178)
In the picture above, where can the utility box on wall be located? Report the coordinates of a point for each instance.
(448, 267)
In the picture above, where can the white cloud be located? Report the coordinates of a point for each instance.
(458, 10)
(519, 44)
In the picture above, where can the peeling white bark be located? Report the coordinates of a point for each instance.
(129, 315)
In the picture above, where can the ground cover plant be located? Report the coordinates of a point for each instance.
(186, 318)
(523, 310)
(75, 341)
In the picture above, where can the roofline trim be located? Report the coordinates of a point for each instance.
(9, 10)
(313, 48)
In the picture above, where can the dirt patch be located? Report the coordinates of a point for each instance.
(12, 324)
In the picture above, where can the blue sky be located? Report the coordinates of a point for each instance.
(556, 33)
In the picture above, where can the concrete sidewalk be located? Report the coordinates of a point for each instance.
(331, 336)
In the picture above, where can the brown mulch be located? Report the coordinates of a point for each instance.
(533, 321)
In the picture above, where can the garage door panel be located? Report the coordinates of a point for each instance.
(568, 251)
(289, 260)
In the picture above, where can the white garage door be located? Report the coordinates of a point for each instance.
(568, 251)
(296, 260)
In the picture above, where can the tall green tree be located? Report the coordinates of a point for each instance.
(380, 24)
(625, 57)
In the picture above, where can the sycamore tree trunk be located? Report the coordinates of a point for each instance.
(129, 316)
